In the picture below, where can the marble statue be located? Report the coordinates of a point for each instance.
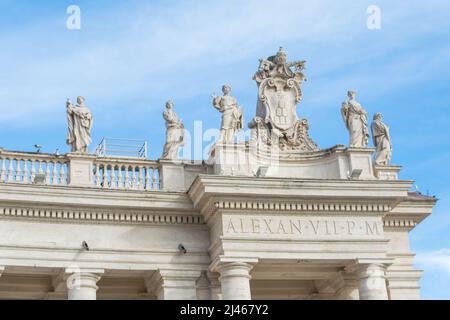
(355, 118)
(80, 121)
(279, 92)
(381, 140)
(174, 133)
(232, 117)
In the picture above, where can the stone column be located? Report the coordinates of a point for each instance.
(82, 284)
(372, 281)
(235, 280)
(174, 284)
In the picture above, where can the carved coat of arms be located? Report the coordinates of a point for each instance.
(279, 93)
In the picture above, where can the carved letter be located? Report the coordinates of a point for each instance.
(294, 226)
(316, 226)
(326, 228)
(267, 223)
(231, 226)
(372, 230)
(335, 227)
(255, 225)
(281, 228)
(350, 226)
(242, 226)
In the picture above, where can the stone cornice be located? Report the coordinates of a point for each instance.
(410, 212)
(210, 193)
(312, 207)
(282, 187)
(90, 205)
(399, 223)
(55, 196)
(99, 216)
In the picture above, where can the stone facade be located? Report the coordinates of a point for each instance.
(271, 218)
(304, 230)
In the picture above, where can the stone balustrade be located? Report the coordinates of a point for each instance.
(33, 168)
(64, 170)
(126, 173)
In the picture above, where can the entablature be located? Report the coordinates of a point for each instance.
(211, 193)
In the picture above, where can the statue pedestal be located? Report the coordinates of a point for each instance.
(81, 169)
(178, 175)
(230, 159)
(172, 175)
(361, 159)
(387, 172)
(335, 163)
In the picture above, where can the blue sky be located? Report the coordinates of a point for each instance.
(131, 56)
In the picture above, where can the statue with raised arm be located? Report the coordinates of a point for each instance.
(232, 117)
(174, 133)
(80, 121)
(355, 118)
(381, 140)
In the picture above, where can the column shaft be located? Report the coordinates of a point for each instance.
(83, 286)
(372, 282)
(235, 280)
(174, 284)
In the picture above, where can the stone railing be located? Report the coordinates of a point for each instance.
(79, 170)
(33, 168)
(126, 173)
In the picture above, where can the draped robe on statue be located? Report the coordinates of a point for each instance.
(355, 118)
(79, 127)
(382, 142)
(174, 135)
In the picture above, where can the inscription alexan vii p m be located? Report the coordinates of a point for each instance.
(303, 227)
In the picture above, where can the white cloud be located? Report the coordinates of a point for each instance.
(436, 261)
(151, 53)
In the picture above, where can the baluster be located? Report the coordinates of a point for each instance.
(47, 172)
(55, 173)
(139, 177)
(10, 170)
(142, 177)
(155, 182)
(127, 177)
(33, 170)
(133, 177)
(147, 178)
(17, 177)
(97, 175)
(62, 180)
(39, 162)
(136, 177)
(26, 179)
(113, 177)
(120, 178)
(105, 176)
(3, 170)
